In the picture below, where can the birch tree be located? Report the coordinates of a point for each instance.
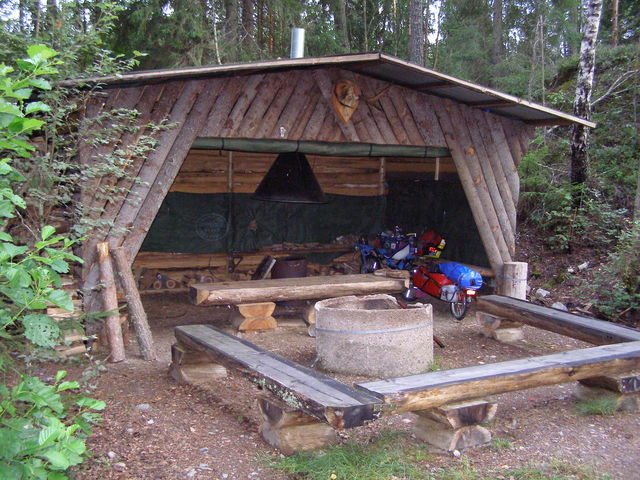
(592, 10)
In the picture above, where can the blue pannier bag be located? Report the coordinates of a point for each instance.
(462, 276)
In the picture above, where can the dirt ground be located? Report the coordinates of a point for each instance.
(154, 428)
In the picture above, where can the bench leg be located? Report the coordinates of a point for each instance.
(500, 329)
(256, 317)
(291, 430)
(624, 390)
(456, 426)
(196, 368)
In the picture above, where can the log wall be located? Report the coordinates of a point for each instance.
(296, 105)
(218, 171)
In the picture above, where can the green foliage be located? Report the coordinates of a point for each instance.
(605, 406)
(555, 470)
(42, 428)
(380, 460)
(500, 443)
(615, 289)
(41, 433)
(593, 223)
(29, 274)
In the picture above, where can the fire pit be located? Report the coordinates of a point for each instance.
(373, 336)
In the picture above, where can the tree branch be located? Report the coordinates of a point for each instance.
(616, 83)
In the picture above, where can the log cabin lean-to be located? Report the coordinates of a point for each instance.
(385, 138)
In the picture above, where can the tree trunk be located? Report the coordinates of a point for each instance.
(614, 23)
(636, 205)
(231, 27)
(498, 46)
(340, 15)
(416, 32)
(582, 104)
(51, 15)
(247, 22)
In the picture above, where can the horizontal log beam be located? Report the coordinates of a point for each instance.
(429, 390)
(597, 332)
(208, 260)
(281, 289)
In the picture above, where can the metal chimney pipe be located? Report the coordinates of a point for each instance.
(297, 42)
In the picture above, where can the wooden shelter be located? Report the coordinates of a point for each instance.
(359, 118)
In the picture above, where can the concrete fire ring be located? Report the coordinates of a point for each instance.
(373, 336)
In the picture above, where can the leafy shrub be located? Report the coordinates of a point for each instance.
(615, 290)
(42, 430)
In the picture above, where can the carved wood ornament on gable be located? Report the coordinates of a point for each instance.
(345, 99)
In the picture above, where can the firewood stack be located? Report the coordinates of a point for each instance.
(73, 334)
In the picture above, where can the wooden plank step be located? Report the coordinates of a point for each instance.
(302, 388)
(598, 332)
(429, 390)
(274, 290)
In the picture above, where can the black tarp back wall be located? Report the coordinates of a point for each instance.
(416, 204)
(212, 223)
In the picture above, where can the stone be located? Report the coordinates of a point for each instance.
(583, 266)
(120, 466)
(560, 306)
(142, 406)
(542, 293)
(500, 329)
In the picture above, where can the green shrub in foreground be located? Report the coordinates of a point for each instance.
(42, 429)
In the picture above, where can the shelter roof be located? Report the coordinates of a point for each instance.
(378, 65)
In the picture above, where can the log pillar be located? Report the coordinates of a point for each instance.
(290, 430)
(513, 284)
(253, 317)
(455, 426)
(195, 368)
(623, 389)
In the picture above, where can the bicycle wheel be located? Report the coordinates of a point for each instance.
(369, 265)
(459, 307)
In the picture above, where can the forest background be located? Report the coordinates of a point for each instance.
(528, 48)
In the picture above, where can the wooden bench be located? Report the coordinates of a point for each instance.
(301, 388)
(587, 329)
(255, 298)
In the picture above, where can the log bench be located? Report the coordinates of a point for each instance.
(305, 406)
(255, 298)
(448, 403)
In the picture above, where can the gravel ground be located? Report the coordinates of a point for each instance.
(154, 428)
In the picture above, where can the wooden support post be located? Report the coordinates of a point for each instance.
(193, 367)
(291, 430)
(136, 310)
(110, 303)
(256, 316)
(455, 426)
(513, 284)
(383, 174)
(624, 390)
(514, 280)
